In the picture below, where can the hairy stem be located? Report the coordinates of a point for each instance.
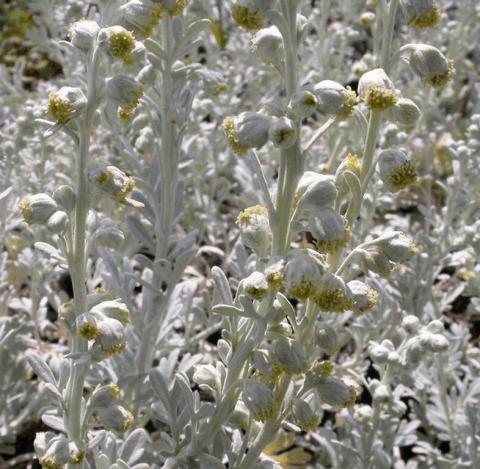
(77, 260)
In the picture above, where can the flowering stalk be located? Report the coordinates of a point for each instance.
(291, 165)
(76, 258)
(167, 182)
(375, 120)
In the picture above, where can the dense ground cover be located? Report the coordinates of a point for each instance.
(239, 234)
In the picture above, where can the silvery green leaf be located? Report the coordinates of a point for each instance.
(207, 460)
(160, 387)
(140, 232)
(53, 391)
(156, 48)
(119, 464)
(102, 462)
(133, 447)
(222, 287)
(40, 368)
(231, 311)
(224, 350)
(51, 251)
(54, 422)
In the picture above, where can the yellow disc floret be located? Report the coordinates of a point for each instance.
(246, 18)
(122, 44)
(441, 79)
(333, 300)
(88, 331)
(379, 99)
(428, 19)
(58, 108)
(229, 128)
(402, 176)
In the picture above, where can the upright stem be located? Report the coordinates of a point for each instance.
(169, 153)
(374, 123)
(166, 211)
(290, 158)
(78, 260)
(291, 167)
(388, 36)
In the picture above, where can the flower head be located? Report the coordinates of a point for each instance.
(329, 230)
(250, 14)
(267, 45)
(65, 104)
(421, 14)
(247, 130)
(377, 90)
(111, 181)
(333, 295)
(334, 99)
(258, 399)
(255, 229)
(303, 271)
(118, 43)
(431, 65)
(141, 16)
(396, 169)
(256, 286)
(37, 208)
(364, 296)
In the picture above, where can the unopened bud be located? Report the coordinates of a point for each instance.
(115, 309)
(316, 191)
(396, 169)
(58, 222)
(303, 271)
(247, 130)
(111, 181)
(258, 399)
(116, 418)
(304, 416)
(256, 286)
(83, 33)
(334, 100)
(397, 246)
(375, 261)
(65, 197)
(255, 231)
(364, 296)
(303, 104)
(405, 113)
(283, 132)
(267, 45)
(104, 396)
(328, 228)
(411, 324)
(335, 392)
(111, 338)
(140, 16)
(431, 65)
(326, 339)
(290, 356)
(37, 208)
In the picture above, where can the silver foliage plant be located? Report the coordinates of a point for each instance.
(248, 237)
